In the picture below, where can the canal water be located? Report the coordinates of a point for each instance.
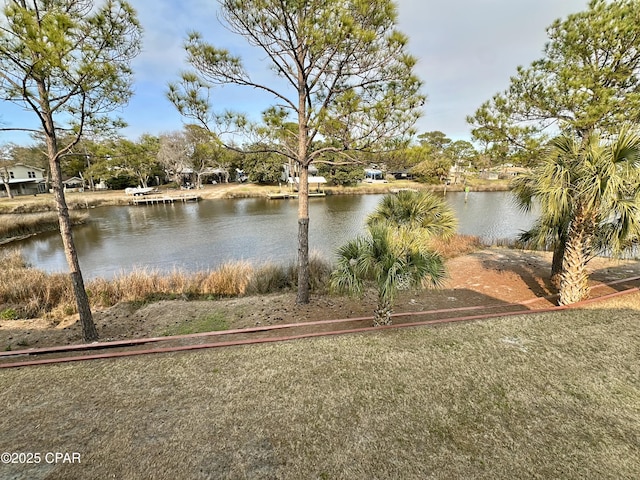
(203, 235)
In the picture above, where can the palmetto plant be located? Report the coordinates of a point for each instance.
(390, 262)
(421, 213)
(394, 255)
(589, 194)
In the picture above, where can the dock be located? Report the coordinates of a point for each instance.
(281, 195)
(157, 199)
(285, 195)
(398, 190)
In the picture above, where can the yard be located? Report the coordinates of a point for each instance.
(544, 396)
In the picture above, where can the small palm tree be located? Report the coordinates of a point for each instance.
(421, 213)
(395, 254)
(589, 194)
(391, 262)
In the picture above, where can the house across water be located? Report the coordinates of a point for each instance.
(22, 180)
(373, 175)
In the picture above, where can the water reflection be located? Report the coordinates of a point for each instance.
(206, 234)
(489, 215)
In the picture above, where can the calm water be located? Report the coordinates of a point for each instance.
(202, 235)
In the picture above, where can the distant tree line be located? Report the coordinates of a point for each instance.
(193, 153)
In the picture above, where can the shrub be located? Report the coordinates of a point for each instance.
(8, 314)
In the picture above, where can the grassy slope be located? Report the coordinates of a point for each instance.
(542, 396)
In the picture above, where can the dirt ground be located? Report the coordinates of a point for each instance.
(495, 276)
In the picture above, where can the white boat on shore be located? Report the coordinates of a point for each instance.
(139, 190)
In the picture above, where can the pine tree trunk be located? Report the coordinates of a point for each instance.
(89, 331)
(303, 236)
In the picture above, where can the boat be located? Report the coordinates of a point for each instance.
(139, 190)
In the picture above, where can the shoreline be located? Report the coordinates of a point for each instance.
(16, 227)
(92, 199)
(24, 206)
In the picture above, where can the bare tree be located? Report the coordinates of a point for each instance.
(5, 162)
(173, 153)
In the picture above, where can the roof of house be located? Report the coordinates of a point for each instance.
(27, 166)
(72, 180)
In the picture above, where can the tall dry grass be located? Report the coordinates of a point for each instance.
(229, 280)
(269, 278)
(33, 293)
(455, 246)
(17, 225)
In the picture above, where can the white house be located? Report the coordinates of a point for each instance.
(23, 180)
(73, 184)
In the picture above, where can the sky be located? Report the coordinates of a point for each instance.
(466, 49)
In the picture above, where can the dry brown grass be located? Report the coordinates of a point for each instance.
(75, 201)
(12, 259)
(270, 278)
(17, 225)
(230, 279)
(544, 396)
(30, 292)
(455, 246)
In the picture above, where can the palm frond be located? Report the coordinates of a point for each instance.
(348, 275)
(422, 212)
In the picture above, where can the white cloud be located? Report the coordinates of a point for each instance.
(467, 51)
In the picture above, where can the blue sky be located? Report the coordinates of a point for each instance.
(467, 50)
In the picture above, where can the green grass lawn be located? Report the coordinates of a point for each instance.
(543, 396)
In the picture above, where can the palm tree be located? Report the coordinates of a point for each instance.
(422, 213)
(589, 194)
(395, 254)
(550, 230)
(391, 262)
